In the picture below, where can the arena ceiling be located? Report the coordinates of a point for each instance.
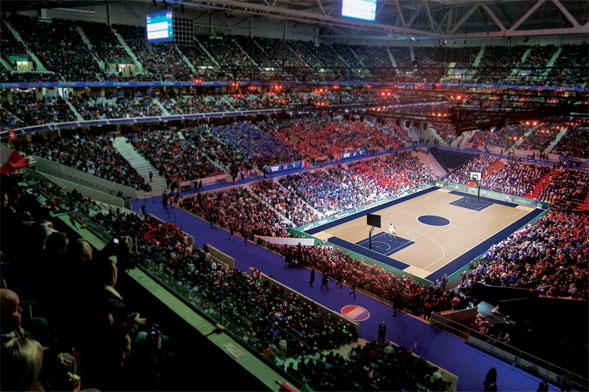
(441, 19)
(417, 19)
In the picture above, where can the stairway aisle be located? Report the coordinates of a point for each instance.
(429, 160)
(493, 168)
(543, 183)
(584, 205)
(142, 165)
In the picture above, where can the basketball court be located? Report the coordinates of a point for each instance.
(439, 231)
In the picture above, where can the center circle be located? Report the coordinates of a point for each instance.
(433, 220)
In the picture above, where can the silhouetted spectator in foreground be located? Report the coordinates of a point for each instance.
(490, 383)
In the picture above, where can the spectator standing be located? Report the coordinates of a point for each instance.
(324, 282)
(382, 331)
(543, 387)
(427, 310)
(165, 200)
(490, 383)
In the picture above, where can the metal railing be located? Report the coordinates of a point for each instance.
(509, 353)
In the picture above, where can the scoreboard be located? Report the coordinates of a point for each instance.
(160, 26)
(359, 9)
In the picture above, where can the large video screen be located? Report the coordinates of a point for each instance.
(159, 26)
(359, 9)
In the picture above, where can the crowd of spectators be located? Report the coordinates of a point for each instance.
(237, 57)
(347, 54)
(264, 320)
(238, 211)
(446, 131)
(252, 145)
(328, 137)
(567, 190)
(28, 76)
(534, 67)
(203, 151)
(376, 60)
(92, 154)
(11, 48)
(93, 329)
(479, 163)
(504, 138)
(540, 138)
(238, 147)
(431, 67)
(115, 106)
(175, 156)
(341, 188)
(478, 140)
(30, 108)
(497, 63)
(286, 202)
(571, 66)
(401, 292)
(193, 103)
(575, 142)
(330, 191)
(514, 177)
(24, 109)
(118, 348)
(302, 198)
(549, 256)
(227, 53)
(278, 55)
(374, 366)
(59, 47)
(463, 57)
(161, 61)
(104, 42)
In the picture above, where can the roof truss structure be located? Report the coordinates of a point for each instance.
(427, 19)
(438, 19)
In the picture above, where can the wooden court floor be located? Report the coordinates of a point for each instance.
(435, 246)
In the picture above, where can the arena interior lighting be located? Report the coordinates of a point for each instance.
(458, 97)
(531, 123)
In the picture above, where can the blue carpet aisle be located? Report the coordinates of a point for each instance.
(441, 348)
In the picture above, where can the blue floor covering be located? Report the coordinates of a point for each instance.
(373, 254)
(487, 199)
(472, 203)
(439, 347)
(385, 243)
